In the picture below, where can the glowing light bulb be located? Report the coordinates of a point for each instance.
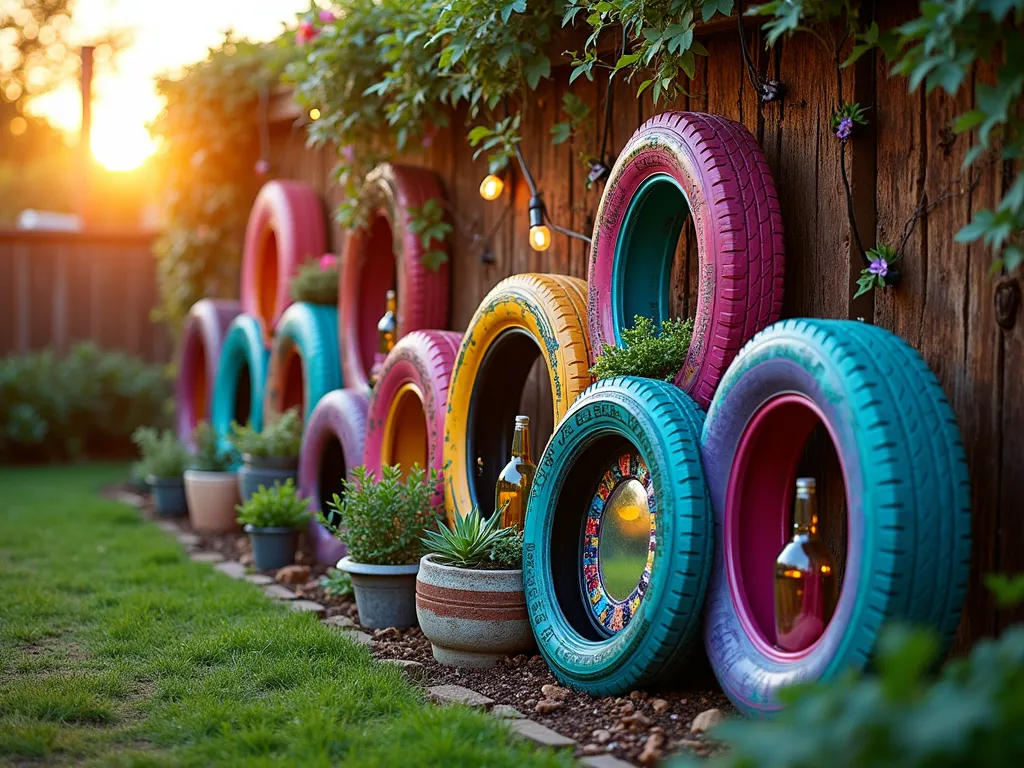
(314, 114)
(540, 238)
(491, 187)
(628, 512)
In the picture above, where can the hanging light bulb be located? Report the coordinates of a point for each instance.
(314, 114)
(491, 187)
(540, 235)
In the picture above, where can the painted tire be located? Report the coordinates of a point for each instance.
(709, 167)
(659, 426)
(241, 378)
(286, 228)
(198, 352)
(522, 317)
(405, 423)
(332, 446)
(303, 361)
(368, 272)
(907, 498)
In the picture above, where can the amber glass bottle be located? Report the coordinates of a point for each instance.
(806, 578)
(514, 482)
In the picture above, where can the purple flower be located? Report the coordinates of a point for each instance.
(879, 267)
(845, 128)
(326, 17)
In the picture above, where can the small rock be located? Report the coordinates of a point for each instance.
(706, 720)
(636, 721)
(554, 692)
(360, 637)
(206, 557)
(605, 761)
(456, 694)
(246, 559)
(546, 706)
(259, 579)
(507, 712)
(541, 734)
(413, 671)
(187, 539)
(520, 661)
(659, 705)
(341, 622)
(278, 592)
(387, 633)
(231, 568)
(690, 744)
(627, 708)
(638, 695)
(601, 736)
(307, 606)
(651, 753)
(592, 749)
(530, 703)
(293, 574)
(656, 729)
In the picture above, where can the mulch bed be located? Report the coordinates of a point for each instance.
(620, 726)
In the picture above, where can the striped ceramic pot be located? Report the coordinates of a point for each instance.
(472, 617)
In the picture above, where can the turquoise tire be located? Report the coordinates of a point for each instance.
(242, 350)
(664, 425)
(307, 336)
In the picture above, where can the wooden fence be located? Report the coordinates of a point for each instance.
(944, 307)
(58, 288)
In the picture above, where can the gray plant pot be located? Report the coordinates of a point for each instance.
(256, 471)
(472, 617)
(385, 594)
(272, 548)
(168, 496)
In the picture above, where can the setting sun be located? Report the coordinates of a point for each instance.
(121, 145)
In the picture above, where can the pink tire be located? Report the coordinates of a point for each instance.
(332, 446)
(405, 422)
(286, 228)
(681, 164)
(385, 255)
(199, 350)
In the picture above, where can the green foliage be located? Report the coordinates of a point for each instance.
(382, 520)
(473, 542)
(428, 221)
(1009, 590)
(207, 454)
(280, 440)
(577, 111)
(277, 507)
(882, 257)
(337, 583)
(162, 456)
(85, 404)
(315, 285)
(210, 145)
(645, 352)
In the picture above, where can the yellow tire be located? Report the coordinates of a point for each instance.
(523, 317)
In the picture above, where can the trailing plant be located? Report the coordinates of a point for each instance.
(277, 507)
(280, 440)
(337, 583)
(84, 404)
(208, 455)
(162, 456)
(472, 542)
(382, 520)
(317, 282)
(646, 352)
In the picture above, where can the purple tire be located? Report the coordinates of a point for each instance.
(332, 446)
(198, 353)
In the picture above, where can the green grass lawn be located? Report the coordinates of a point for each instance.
(115, 649)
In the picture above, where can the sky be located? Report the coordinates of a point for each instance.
(165, 35)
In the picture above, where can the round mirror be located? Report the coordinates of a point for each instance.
(625, 539)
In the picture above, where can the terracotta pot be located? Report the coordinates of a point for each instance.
(212, 497)
(471, 617)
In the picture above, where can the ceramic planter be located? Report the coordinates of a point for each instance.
(168, 496)
(272, 548)
(257, 470)
(385, 594)
(472, 617)
(212, 497)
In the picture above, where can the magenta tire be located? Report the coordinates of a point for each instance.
(681, 164)
(198, 353)
(332, 446)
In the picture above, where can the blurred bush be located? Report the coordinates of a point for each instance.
(85, 404)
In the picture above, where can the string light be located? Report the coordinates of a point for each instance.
(491, 187)
(314, 114)
(540, 235)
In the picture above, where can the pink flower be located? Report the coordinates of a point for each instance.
(326, 17)
(328, 261)
(262, 167)
(305, 33)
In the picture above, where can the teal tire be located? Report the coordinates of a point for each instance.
(661, 424)
(241, 378)
(304, 362)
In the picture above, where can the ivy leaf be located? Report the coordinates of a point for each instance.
(710, 7)
(1013, 257)
(517, 6)
(539, 67)
(479, 132)
(560, 133)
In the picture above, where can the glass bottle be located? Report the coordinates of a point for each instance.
(387, 335)
(806, 577)
(515, 479)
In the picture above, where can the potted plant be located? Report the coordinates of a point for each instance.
(210, 485)
(164, 461)
(269, 456)
(469, 592)
(272, 518)
(382, 522)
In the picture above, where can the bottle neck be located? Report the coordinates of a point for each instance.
(805, 515)
(521, 443)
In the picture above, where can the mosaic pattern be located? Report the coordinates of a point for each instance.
(609, 613)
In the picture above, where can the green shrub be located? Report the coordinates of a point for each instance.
(645, 352)
(207, 454)
(85, 404)
(280, 440)
(277, 507)
(162, 455)
(473, 542)
(382, 521)
(316, 283)
(337, 583)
